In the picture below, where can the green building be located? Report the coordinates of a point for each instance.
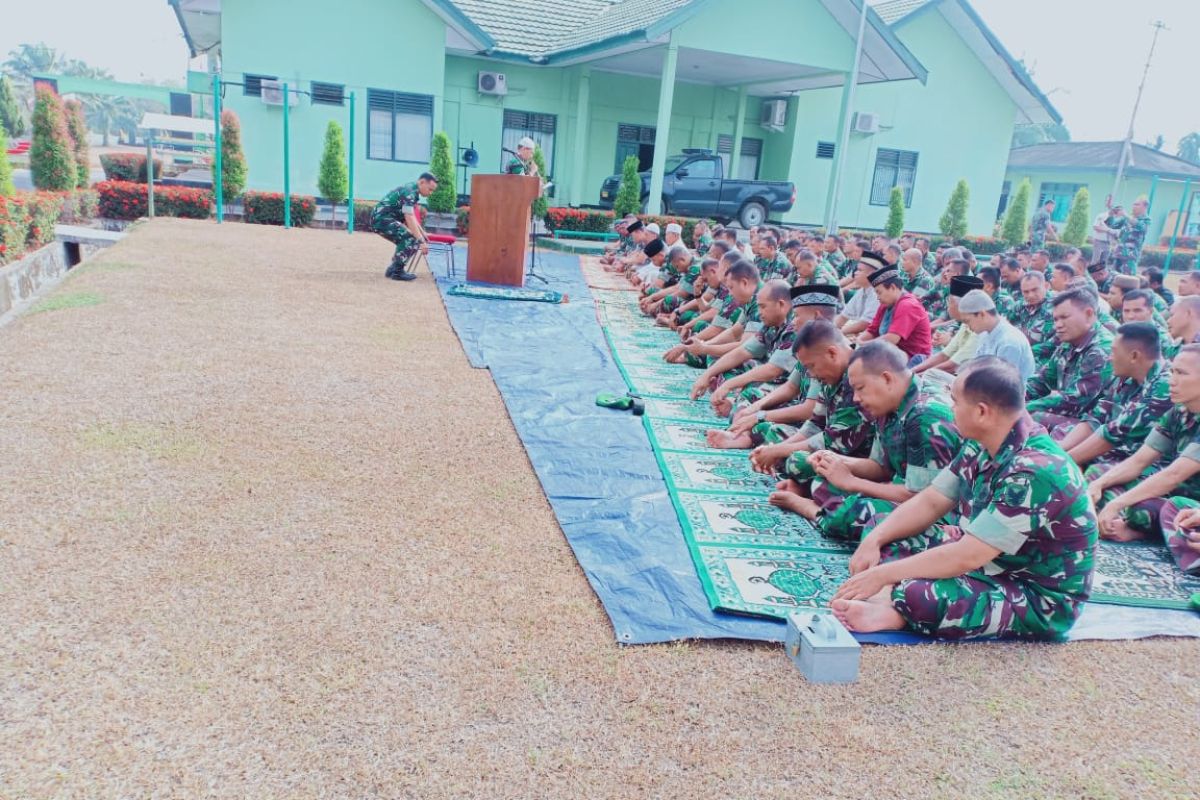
(594, 81)
(1057, 170)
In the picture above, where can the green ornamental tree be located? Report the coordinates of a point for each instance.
(629, 196)
(1015, 229)
(540, 205)
(77, 127)
(50, 158)
(6, 183)
(953, 223)
(895, 220)
(11, 119)
(441, 166)
(333, 181)
(1076, 229)
(233, 160)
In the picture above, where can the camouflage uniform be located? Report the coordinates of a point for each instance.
(1030, 502)
(779, 267)
(724, 303)
(1185, 557)
(1176, 435)
(1037, 323)
(687, 286)
(1069, 382)
(930, 263)
(1038, 227)
(387, 219)
(848, 267)
(703, 246)
(921, 285)
(835, 261)
(1004, 304)
(772, 344)
(731, 313)
(914, 443)
(1127, 411)
(937, 304)
(837, 424)
(777, 433)
(516, 166)
(1129, 245)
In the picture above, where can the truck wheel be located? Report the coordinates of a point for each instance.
(752, 214)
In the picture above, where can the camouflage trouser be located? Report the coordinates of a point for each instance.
(394, 231)
(797, 467)
(1142, 517)
(977, 605)
(685, 316)
(847, 516)
(1056, 424)
(939, 534)
(1187, 558)
(1125, 265)
(672, 302)
(772, 433)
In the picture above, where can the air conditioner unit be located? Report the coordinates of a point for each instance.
(866, 122)
(774, 114)
(272, 94)
(493, 83)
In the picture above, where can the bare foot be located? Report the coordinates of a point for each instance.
(790, 501)
(724, 440)
(724, 408)
(1120, 531)
(788, 485)
(868, 616)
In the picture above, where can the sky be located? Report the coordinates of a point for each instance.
(1087, 55)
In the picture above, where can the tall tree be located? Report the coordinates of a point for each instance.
(542, 204)
(1189, 148)
(11, 118)
(233, 160)
(27, 60)
(333, 180)
(77, 128)
(629, 196)
(1040, 133)
(441, 166)
(1078, 218)
(895, 220)
(953, 223)
(1015, 229)
(50, 158)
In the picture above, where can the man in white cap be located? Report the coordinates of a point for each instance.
(673, 234)
(997, 336)
(522, 163)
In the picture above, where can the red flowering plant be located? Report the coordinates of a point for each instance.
(14, 228)
(125, 200)
(266, 208)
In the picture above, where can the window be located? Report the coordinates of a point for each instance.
(893, 168)
(329, 94)
(750, 156)
(641, 134)
(826, 149)
(1005, 191)
(1062, 194)
(702, 169)
(1191, 226)
(252, 84)
(399, 126)
(539, 127)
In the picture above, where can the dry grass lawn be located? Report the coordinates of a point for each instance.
(266, 534)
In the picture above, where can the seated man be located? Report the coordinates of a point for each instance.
(716, 299)
(1068, 383)
(913, 276)
(676, 264)
(395, 219)
(701, 238)
(914, 440)
(1137, 306)
(1060, 277)
(832, 255)
(772, 417)
(673, 234)
(1033, 315)
(961, 347)
(770, 262)
(1022, 563)
(1011, 275)
(1132, 494)
(937, 304)
(764, 357)
(1184, 322)
(861, 308)
(1102, 276)
(622, 245)
(901, 319)
(1189, 284)
(655, 253)
(737, 318)
(991, 285)
(699, 287)
(837, 422)
(997, 336)
(1131, 402)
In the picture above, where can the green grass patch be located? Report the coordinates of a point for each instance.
(68, 300)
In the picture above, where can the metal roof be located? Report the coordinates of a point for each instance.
(1103, 156)
(892, 11)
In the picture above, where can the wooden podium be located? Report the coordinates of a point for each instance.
(499, 232)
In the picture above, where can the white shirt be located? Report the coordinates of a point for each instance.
(862, 306)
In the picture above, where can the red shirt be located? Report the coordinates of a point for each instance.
(908, 320)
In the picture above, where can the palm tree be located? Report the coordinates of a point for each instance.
(1189, 148)
(28, 60)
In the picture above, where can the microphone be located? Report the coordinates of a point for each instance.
(513, 152)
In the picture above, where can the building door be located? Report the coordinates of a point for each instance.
(635, 140)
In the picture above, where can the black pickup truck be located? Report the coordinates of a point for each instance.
(694, 186)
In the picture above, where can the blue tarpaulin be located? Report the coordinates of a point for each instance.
(600, 474)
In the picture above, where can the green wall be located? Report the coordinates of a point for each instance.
(1100, 182)
(403, 49)
(792, 31)
(959, 122)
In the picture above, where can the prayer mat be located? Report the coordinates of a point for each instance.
(683, 410)
(769, 581)
(713, 471)
(680, 434)
(599, 278)
(1141, 574)
(507, 293)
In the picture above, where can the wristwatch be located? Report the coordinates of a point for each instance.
(761, 416)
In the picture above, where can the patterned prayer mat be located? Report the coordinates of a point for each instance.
(598, 278)
(507, 293)
(1141, 574)
(682, 410)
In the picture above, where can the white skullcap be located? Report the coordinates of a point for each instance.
(527, 142)
(674, 227)
(653, 228)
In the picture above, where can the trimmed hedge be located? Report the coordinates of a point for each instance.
(128, 167)
(362, 215)
(1183, 259)
(266, 208)
(127, 201)
(1188, 242)
(14, 228)
(589, 221)
(44, 209)
(79, 206)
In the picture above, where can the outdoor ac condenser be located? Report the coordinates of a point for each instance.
(774, 114)
(272, 94)
(493, 83)
(866, 122)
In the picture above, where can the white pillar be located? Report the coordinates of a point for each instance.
(739, 130)
(843, 142)
(662, 136)
(582, 124)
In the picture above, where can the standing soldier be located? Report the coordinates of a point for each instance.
(522, 163)
(1041, 227)
(1132, 237)
(395, 219)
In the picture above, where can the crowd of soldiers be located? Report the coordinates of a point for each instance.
(973, 427)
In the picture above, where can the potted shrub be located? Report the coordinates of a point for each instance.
(441, 217)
